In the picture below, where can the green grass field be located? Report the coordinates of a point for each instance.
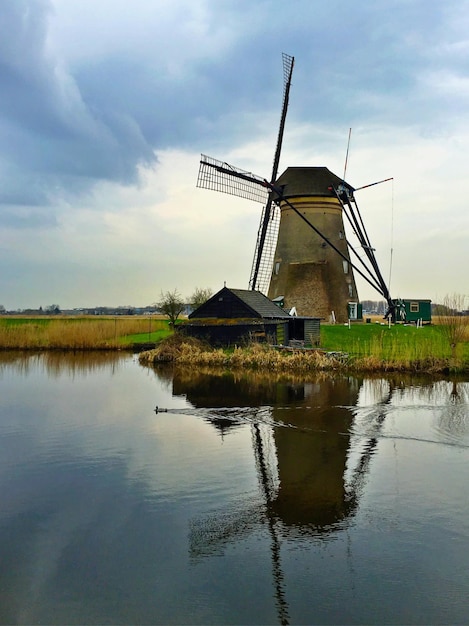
(390, 343)
(148, 337)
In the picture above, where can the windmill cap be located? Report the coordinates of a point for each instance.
(310, 181)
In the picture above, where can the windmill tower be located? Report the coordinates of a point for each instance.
(307, 273)
(302, 255)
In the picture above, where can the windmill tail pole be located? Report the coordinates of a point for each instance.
(373, 184)
(392, 305)
(359, 229)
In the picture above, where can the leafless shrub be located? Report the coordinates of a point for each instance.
(454, 325)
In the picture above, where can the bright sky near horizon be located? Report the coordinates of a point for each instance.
(106, 106)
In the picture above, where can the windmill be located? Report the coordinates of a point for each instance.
(302, 256)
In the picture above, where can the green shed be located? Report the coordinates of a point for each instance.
(416, 310)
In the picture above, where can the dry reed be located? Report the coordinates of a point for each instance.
(76, 334)
(254, 357)
(264, 358)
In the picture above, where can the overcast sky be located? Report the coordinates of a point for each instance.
(106, 106)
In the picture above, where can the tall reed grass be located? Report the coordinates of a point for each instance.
(394, 348)
(397, 347)
(74, 334)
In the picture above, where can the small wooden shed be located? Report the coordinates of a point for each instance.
(234, 316)
(416, 310)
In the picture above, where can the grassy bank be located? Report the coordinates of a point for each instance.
(363, 347)
(80, 333)
(394, 344)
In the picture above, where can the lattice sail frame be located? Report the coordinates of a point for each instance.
(220, 176)
(267, 251)
(262, 263)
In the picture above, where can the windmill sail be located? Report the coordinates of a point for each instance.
(270, 218)
(265, 247)
(220, 176)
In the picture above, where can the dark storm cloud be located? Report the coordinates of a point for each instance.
(66, 125)
(357, 64)
(362, 62)
(62, 129)
(49, 135)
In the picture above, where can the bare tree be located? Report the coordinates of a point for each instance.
(455, 326)
(52, 309)
(172, 305)
(200, 296)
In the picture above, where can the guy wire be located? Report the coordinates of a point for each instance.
(392, 234)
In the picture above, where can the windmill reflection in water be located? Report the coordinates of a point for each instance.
(301, 443)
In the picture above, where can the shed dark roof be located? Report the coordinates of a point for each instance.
(259, 303)
(239, 303)
(309, 181)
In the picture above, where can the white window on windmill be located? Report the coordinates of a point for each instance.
(345, 264)
(352, 310)
(277, 267)
(350, 290)
(341, 234)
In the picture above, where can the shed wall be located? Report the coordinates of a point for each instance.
(418, 309)
(232, 334)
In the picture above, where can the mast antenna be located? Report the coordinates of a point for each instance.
(346, 154)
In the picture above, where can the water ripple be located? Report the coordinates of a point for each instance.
(373, 416)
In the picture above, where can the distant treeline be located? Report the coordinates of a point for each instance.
(377, 307)
(98, 310)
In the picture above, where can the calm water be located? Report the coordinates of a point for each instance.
(250, 501)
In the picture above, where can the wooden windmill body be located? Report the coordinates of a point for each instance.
(307, 273)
